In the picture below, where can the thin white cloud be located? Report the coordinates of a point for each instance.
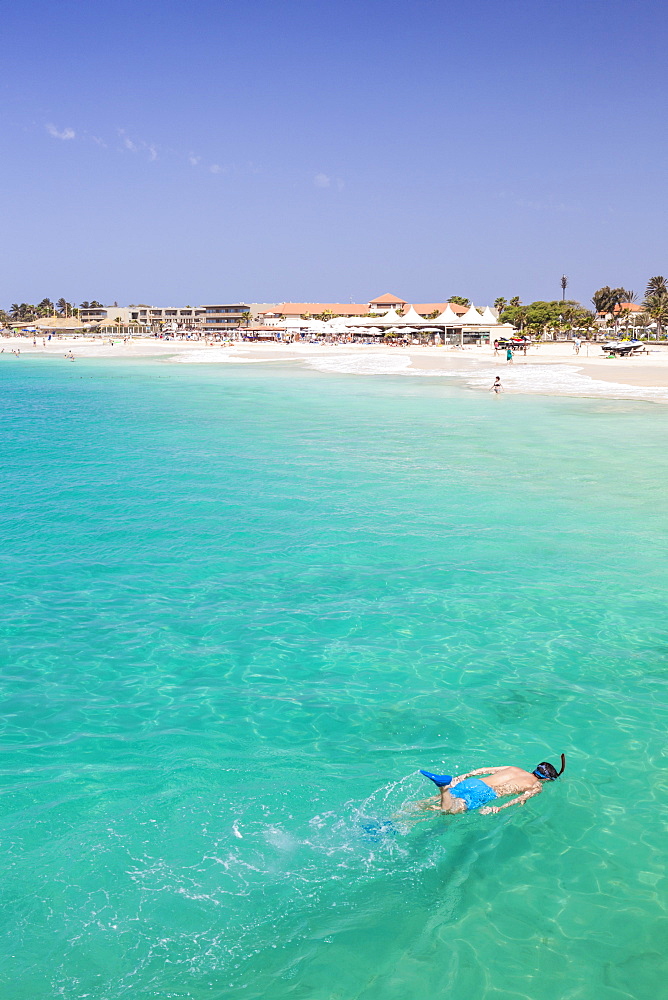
(155, 152)
(127, 141)
(322, 181)
(138, 145)
(67, 133)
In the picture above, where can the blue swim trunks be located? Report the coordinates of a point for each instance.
(474, 792)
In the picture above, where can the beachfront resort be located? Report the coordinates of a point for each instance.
(385, 317)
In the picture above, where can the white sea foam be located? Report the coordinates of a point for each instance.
(531, 378)
(385, 363)
(562, 379)
(559, 379)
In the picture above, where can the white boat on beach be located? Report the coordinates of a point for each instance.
(624, 348)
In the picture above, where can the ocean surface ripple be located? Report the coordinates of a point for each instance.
(242, 606)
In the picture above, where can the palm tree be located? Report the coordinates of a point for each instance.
(15, 310)
(500, 304)
(656, 286)
(520, 318)
(459, 300)
(515, 302)
(564, 286)
(246, 317)
(608, 301)
(603, 300)
(657, 309)
(63, 307)
(25, 312)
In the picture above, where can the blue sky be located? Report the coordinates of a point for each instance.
(182, 153)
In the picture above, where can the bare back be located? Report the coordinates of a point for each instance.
(511, 781)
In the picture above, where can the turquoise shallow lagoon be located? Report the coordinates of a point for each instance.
(242, 605)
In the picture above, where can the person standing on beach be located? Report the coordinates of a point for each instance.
(576, 344)
(496, 386)
(509, 355)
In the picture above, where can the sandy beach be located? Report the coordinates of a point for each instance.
(550, 368)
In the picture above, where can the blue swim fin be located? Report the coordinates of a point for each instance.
(440, 780)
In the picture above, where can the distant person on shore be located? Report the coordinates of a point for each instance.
(468, 792)
(496, 348)
(496, 385)
(576, 344)
(509, 355)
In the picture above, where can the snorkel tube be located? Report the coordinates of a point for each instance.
(548, 772)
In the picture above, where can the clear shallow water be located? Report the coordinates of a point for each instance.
(241, 607)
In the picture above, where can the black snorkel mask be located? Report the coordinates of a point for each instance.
(548, 772)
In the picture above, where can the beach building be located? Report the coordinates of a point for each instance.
(219, 318)
(112, 314)
(296, 314)
(385, 302)
(166, 317)
(384, 311)
(213, 318)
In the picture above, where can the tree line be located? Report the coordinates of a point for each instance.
(612, 304)
(26, 312)
(534, 317)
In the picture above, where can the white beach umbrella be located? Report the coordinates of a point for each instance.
(337, 326)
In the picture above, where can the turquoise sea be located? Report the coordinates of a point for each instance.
(242, 605)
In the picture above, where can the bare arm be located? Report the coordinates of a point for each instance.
(519, 801)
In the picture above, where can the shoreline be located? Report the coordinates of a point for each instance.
(548, 369)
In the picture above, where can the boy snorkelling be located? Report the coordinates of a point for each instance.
(467, 791)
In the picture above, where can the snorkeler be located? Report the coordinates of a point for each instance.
(467, 792)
